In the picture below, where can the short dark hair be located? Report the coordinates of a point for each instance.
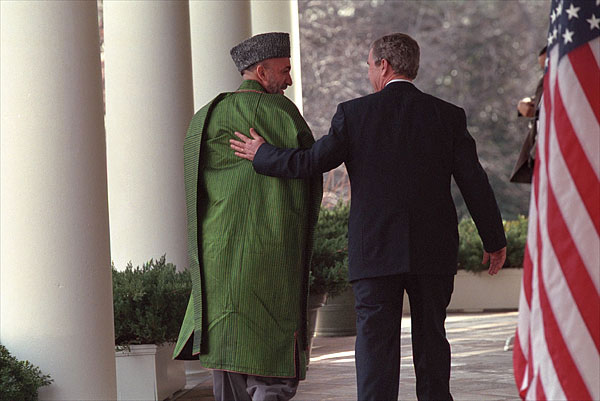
(401, 52)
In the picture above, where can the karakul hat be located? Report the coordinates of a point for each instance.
(259, 48)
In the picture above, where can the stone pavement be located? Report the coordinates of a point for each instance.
(481, 369)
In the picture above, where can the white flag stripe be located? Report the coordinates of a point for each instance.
(567, 315)
(585, 121)
(557, 290)
(543, 366)
(542, 363)
(574, 213)
(522, 325)
(563, 320)
(595, 45)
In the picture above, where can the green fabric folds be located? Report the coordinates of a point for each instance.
(249, 238)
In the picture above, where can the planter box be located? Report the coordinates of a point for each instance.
(476, 292)
(337, 317)
(147, 372)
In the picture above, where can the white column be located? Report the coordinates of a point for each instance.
(216, 27)
(282, 16)
(149, 104)
(55, 284)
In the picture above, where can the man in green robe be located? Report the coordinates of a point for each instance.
(249, 235)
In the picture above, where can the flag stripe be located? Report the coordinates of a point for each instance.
(572, 289)
(519, 362)
(588, 75)
(559, 310)
(584, 235)
(576, 321)
(570, 380)
(585, 125)
(540, 390)
(578, 164)
(527, 276)
(573, 271)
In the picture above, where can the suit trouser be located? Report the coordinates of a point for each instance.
(231, 386)
(379, 312)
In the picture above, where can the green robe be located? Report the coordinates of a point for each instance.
(249, 238)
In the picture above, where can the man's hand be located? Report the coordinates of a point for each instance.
(526, 107)
(247, 148)
(496, 260)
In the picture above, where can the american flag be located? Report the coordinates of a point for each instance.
(557, 345)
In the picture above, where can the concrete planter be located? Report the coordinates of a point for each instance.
(337, 318)
(147, 372)
(475, 292)
(315, 301)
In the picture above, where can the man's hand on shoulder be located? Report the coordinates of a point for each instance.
(496, 260)
(247, 147)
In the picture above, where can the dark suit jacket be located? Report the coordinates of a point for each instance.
(401, 147)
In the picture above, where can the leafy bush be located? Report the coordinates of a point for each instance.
(149, 302)
(329, 267)
(516, 237)
(20, 380)
(470, 248)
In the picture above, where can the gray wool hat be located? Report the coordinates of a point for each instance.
(259, 48)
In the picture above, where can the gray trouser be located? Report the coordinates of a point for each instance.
(230, 386)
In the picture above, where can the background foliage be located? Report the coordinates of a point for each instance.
(19, 380)
(478, 54)
(470, 247)
(329, 267)
(149, 302)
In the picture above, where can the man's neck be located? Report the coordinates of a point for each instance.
(396, 78)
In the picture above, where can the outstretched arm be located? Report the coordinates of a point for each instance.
(327, 153)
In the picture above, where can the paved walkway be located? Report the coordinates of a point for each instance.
(481, 369)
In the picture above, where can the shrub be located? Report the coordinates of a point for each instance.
(20, 380)
(149, 302)
(516, 237)
(470, 247)
(329, 267)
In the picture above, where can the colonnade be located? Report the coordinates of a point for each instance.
(79, 190)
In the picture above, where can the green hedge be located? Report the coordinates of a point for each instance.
(330, 258)
(149, 302)
(470, 247)
(19, 380)
(329, 267)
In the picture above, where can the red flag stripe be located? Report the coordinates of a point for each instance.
(585, 124)
(583, 234)
(562, 257)
(569, 377)
(578, 164)
(519, 361)
(527, 270)
(588, 74)
(540, 390)
(540, 360)
(574, 273)
(559, 310)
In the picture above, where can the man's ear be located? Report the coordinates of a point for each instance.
(385, 66)
(260, 72)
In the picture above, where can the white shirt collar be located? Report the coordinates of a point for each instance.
(398, 80)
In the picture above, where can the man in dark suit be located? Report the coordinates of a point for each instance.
(401, 147)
